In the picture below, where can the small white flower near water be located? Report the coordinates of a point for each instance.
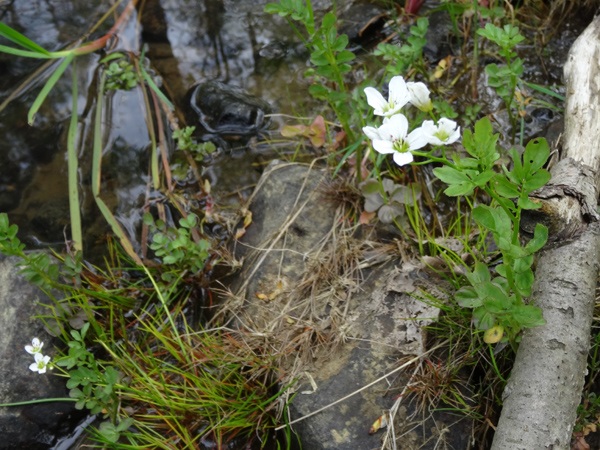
(445, 133)
(398, 97)
(35, 347)
(40, 364)
(392, 138)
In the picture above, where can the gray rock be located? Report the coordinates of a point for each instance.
(31, 427)
(381, 323)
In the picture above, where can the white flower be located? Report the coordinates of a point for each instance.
(35, 347)
(397, 98)
(394, 140)
(419, 96)
(372, 132)
(40, 364)
(445, 133)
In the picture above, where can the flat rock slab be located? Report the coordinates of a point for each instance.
(31, 427)
(379, 319)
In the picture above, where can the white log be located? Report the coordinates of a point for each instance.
(541, 398)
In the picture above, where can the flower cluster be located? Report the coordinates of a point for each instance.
(41, 362)
(392, 136)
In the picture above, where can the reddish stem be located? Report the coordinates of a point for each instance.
(101, 43)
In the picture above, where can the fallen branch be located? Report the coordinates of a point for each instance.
(542, 395)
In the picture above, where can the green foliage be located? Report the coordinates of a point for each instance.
(505, 79)
(408, 54)
(186, 143)
(175, 246)
(499, 301)
(121, 75)
(91, 384)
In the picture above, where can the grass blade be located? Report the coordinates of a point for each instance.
(112, 221)
(19, 39)
(75, 211)
(545, 90)
(97, 151)
(47, 88)
(151, 82)
(155, 88)
(25, 53)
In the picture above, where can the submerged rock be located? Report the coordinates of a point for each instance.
(226, 110)
(31, 427)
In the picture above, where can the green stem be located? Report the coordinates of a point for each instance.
(434, 159)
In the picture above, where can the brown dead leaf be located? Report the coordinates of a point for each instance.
(580, 443)
(366, 217)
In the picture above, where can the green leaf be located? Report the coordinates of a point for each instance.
(340, 44)
(319, 58)
(483, 319)
(451, 176)
(522, 264)
(501, 269)
(483, 178)
(540, 236)
(344, 56)
(459, 189)
(487, 289)
(329, 20)
(13, 35)
(467, 297)
(518, 172)
(536, 181)
(273, 8)
(498, 306)
(109, 432)
(528, 316)
(47, 88)
(526, 203)
(504, 187)
(524, 280)
(535, 156)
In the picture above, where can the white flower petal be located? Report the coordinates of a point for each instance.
(375, 101)
(35, 347)
(42, 370)
(38, 357)
(395, 128)
(417, 139)
(419, 96)
(399, 94)
(33, 367)
(385, 147)
(403, 158)
(371, 132)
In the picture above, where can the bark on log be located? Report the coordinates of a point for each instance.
(542, 395)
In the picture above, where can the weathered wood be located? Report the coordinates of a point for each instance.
(542, 395)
